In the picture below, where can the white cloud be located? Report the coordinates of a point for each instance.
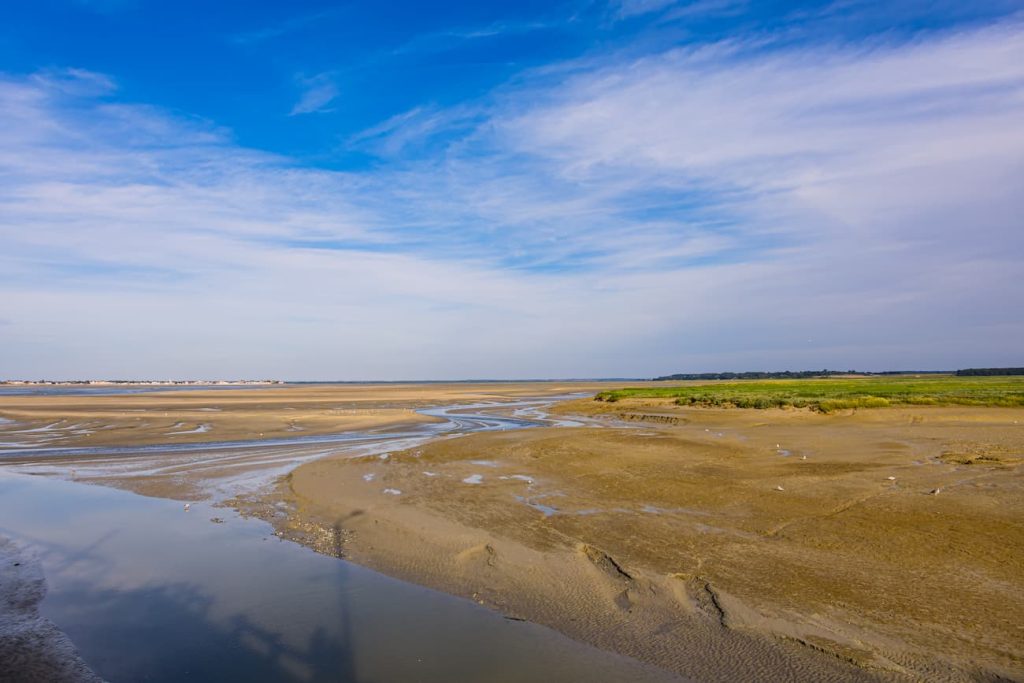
(318, 92)
(282, 27)
(628, 8)
(80, 82)
(727, 207)
(887, 162)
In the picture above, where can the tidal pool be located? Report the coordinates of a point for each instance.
(149, 591)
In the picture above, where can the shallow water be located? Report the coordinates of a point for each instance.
(220, 470)
(459, 419)
(148, 591)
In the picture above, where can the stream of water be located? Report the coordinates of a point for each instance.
(149, 591)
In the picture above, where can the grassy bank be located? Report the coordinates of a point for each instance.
(826, 395)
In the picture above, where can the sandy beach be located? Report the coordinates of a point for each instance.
(161, 417)
(718, 544)
(654, 341)
(715, 543)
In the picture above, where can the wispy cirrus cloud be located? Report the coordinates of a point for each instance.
(77, 82)
(318, 93)
(440, 41)
(172, 226)
(108, 6)
(804, 127)
(678, 9)
(731, 205)
(281, 28)
(628, 8)
(859, 177)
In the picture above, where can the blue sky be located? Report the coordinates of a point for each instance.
(327, 190)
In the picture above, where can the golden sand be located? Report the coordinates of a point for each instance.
(712, 542)
(721, 544)
(239, 414)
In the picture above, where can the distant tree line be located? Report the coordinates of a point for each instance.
(786, 374)
(807, 374)
(986, 372)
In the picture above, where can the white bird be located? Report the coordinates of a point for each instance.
(188, 506)
(891, 478)
(803, 457)
(936, 492)
(779, 488)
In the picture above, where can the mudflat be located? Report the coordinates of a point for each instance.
(168, 417)
(31, 647)
(718, 543)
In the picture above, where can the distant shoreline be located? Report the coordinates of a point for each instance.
(144, 382)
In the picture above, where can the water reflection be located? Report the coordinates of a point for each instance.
(458, 419)
(224, 469)
(150, 592)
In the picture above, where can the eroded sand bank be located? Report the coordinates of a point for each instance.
(720, 544)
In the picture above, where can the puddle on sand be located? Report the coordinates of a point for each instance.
(147, 591)
(519, 477)
(200, 429)
(548, 510)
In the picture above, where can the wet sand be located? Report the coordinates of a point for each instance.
(148, 591)
(251, 437)
(32, 648)
(720, 544)
(82, 420)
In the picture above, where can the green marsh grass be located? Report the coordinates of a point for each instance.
(831, 394)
